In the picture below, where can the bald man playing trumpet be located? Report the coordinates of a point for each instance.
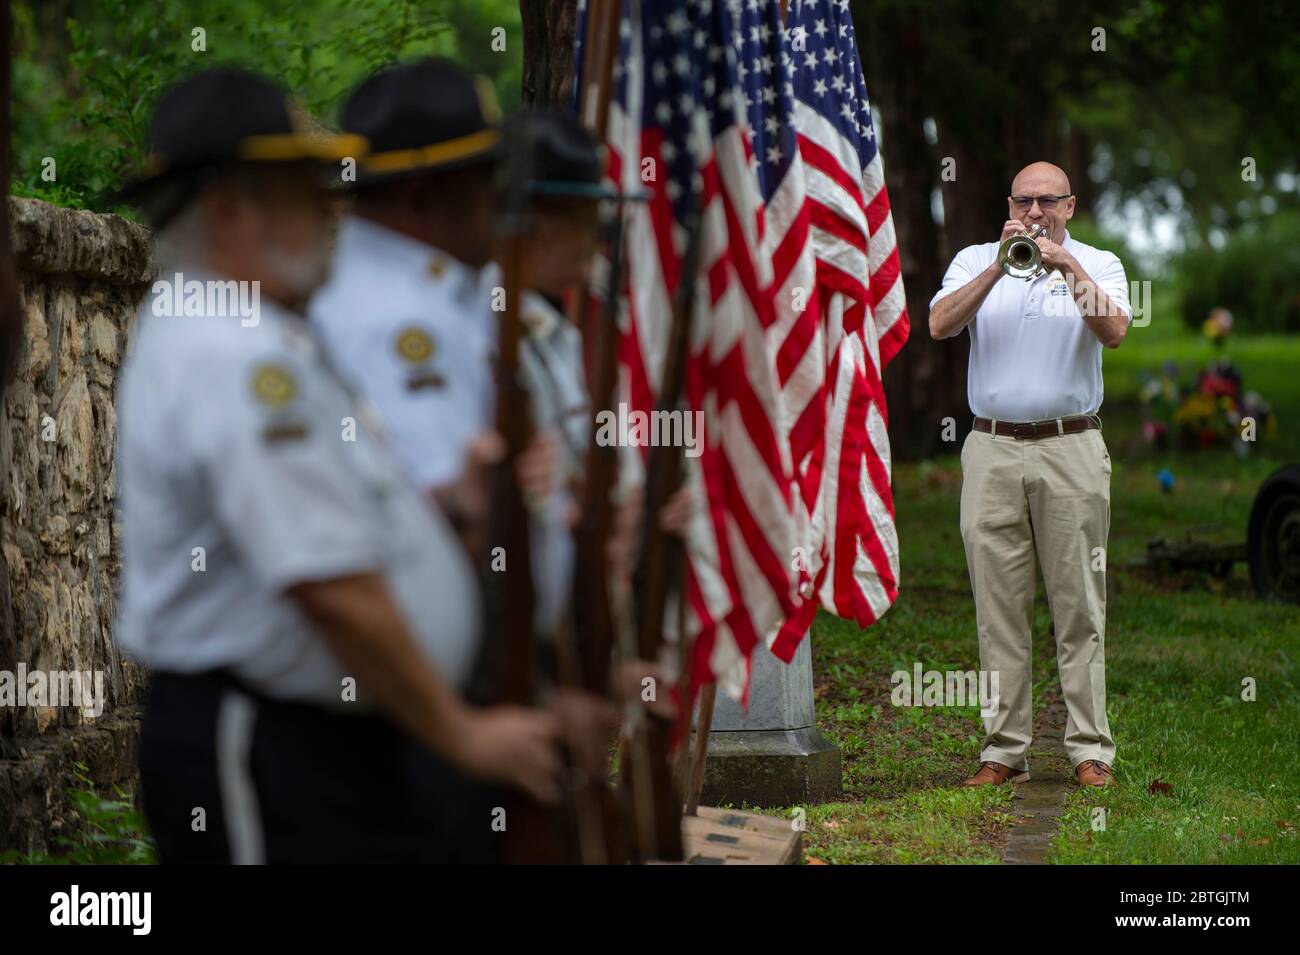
(1035, 470)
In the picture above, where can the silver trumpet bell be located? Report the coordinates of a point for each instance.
(1020, 256)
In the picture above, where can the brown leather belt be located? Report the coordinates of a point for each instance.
(1038, 429)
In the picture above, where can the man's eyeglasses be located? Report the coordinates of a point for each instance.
(1044, 202)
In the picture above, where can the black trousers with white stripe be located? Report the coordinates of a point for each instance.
(229, 776)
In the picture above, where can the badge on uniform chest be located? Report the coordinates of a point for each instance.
(276, 391)
(416, 348)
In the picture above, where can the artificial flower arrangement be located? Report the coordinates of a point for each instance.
(1210, 409)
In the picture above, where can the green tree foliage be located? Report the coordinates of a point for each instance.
(1196, 117)
(1255, 274)
(1167, 114)
(1173, 96)
(85, 85)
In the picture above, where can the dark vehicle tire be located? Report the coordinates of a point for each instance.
(1273, 537)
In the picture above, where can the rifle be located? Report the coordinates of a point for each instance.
(584, 653)
(588, 655)
(657, 805)
(592, 606)
(587, 827)
(532, 830)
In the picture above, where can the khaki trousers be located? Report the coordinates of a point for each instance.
(1050, 497)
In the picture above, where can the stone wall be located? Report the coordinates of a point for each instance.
(81, 276)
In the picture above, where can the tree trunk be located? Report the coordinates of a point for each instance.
(926, 382)
(549, 29)
(975, 202)
(1078, 156)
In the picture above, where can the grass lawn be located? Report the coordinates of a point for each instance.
(1177, 653)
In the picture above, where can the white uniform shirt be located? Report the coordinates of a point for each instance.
(387, 289)
(551, 361)
(410, 328)
(551, 357)
(1032, 356)
(235, 440)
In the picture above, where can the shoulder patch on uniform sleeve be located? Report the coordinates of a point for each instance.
(416, 347)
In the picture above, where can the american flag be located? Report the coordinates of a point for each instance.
(707, 99)
(679, 127)
(864, 318)
(796, 343)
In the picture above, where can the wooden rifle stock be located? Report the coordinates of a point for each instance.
(588, 826)
(532, 832)
(592, 604)
(584, 652)
(585, 659)
(659, 826)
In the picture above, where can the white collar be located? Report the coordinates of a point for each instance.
(539, 316)
(379, 243)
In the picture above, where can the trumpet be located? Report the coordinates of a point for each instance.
(1020, 256)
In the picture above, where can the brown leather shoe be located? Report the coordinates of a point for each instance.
(995, 774)
(1093, 772)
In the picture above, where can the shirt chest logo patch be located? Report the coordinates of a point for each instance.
(275, 389)
(416, 349)
(274, 385)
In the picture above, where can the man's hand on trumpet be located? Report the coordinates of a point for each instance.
(1054, 256)
(1012, 227)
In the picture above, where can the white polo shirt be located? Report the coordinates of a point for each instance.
(245, 466)
(1032, 356)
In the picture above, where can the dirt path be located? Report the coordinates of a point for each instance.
(1040, 802)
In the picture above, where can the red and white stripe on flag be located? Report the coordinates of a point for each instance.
(677, 123)
(801, 307)
(847, 483)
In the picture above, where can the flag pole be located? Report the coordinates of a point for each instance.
(659, 573)
(700, 753)
(599, 51)
(586, 654)
(685, 679)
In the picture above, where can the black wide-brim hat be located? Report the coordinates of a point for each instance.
(566, 161)
(422, 117)
(227, 116)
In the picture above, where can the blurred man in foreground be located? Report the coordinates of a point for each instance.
(307, 617)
